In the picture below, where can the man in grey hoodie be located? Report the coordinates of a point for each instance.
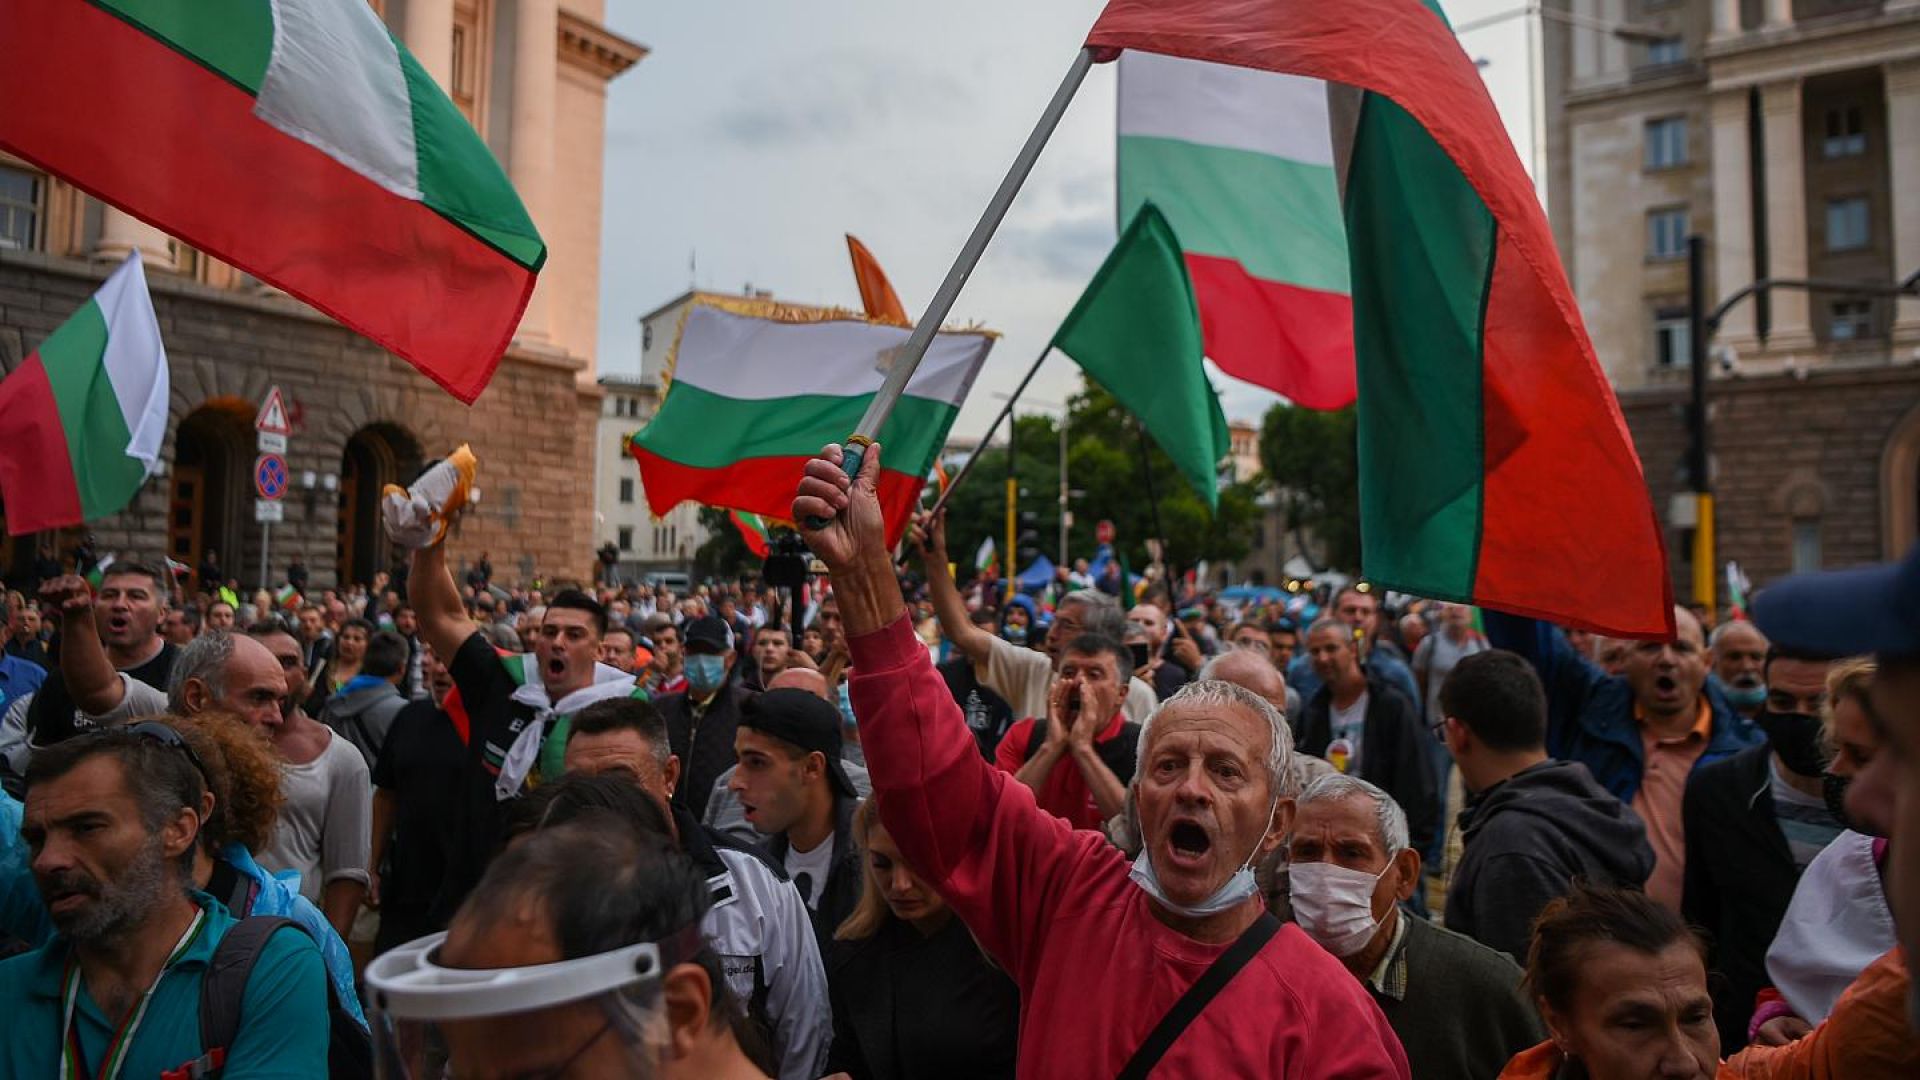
(363, 710)
(1532, 825)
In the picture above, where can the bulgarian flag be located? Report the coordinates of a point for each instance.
(287, 597)
(1240, 162)
(753, 530)
(755, 389)
(82, 419)
(295, 139)
(1495, 467)
(986, 558)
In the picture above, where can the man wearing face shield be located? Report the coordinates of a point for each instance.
(1050, 903)
(1753, 823)
(579, 955)
(1456, 1004)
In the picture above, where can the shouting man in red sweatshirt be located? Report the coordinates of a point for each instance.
(1167, 960)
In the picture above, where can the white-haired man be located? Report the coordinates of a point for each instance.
(1456, 1004)
(1049, 903)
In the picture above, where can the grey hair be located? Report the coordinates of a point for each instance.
(1103, 614)
(1726, 630)
(1329, 622)
(1391, 819)
(1217, 693)
(204, 658)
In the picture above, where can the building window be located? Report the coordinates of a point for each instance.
(1852, 320)
(1847, 223)
(19, 209)
(1666, 142)
(1667, 230)
(626, 489)
(463, 77)
(626, 538)
(1806, 545)
(1664, 51)
(1672, 341)
(1846, 132)
(646, 335)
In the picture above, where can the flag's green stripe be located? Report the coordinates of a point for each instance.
(96, 429)
(232, 38)
(460, 178)
(1279, 218)
(1423, 246)
(703, 430)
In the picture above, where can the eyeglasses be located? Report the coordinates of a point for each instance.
(1438, 729)
(166, 736)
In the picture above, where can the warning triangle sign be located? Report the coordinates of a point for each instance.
(273, 415)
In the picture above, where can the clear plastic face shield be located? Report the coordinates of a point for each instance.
(594, 1016)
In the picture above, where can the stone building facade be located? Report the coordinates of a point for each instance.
(1786, 133)
(530, 75)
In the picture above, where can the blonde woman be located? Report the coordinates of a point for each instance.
(913, 996)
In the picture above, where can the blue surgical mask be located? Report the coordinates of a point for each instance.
(1746, 697)
(705, 672)
(1232, 892)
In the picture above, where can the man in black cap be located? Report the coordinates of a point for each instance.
(794, 790)
(1875, 610)
(701, 719)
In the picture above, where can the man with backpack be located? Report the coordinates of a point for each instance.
(363, 710)
(124, 987)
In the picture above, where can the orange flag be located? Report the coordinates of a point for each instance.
(876, 292)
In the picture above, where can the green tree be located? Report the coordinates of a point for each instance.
(1310, 459)
(724, 555)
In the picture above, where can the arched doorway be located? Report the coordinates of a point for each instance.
(208, 496)
(1900, 486)
(376, 455)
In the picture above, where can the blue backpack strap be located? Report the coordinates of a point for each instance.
(224, 986)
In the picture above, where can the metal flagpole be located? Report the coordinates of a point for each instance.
(1005, 411)
(902, 370)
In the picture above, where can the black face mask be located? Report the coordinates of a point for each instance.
(1796, 738)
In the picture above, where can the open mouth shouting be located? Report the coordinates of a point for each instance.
(1188, 845)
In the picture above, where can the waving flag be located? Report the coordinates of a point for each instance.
(295, 139)
(753, 530)
(755, 389)
(1495, 466)
(82, 419)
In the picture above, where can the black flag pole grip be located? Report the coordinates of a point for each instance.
(852, 455)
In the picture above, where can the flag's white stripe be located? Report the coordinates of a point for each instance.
(135, 361)
(746, 358)
(335, 83)
(1221, 105)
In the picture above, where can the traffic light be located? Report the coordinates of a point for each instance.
(1029, 537)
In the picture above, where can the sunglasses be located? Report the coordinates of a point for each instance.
(166, 736)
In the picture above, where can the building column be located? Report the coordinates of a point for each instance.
(1786, 213)
(121, 233)
(429, 36)
(1726, 18)
(1733, 267)
(1778, 14)
(536, 74)
(1903, 160)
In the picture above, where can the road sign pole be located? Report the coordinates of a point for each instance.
(266, 533)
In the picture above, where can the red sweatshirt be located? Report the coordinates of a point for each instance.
(1055, 908)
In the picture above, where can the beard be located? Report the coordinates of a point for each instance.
(119, 905)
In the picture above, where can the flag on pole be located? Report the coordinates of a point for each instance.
(755, 389)
(82, 419)
(1737, 588)
(1495, 466)
(295, 139)
(1241, 163)
(753, 530)
(97, 573)
(986, 558)
(1136, 332)
(176, 570)
(287, 597)
(877, 297)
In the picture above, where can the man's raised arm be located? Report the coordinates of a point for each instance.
(443, 619)
(91, 681)
(929, 536)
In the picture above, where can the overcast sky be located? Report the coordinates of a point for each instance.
(759, 132)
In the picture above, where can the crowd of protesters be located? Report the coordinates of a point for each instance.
(892, 824)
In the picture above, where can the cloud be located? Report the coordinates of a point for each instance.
(1066, 247)
(835, 96)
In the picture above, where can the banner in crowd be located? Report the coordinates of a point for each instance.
(1241, 163)
(1495, 466)
(755, 388)
(295, 139)
(82, 419)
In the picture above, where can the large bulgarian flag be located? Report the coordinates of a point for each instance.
(754, 389)
(1240, 163)
(295, 139)
(82, 419)
(1495, 466)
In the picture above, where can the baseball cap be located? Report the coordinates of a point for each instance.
(804, 720)
(708, 633)
(1866, 609)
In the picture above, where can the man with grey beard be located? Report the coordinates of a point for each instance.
(110, 823)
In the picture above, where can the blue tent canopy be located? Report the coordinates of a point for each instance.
(1036, 576)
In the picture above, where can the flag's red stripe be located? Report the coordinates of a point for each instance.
(36, 472)
(755, 542)
(126, 118)
(763, 486)
(1270, 333)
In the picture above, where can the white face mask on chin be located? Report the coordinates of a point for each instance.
(1231, 894)
(1334, 905)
